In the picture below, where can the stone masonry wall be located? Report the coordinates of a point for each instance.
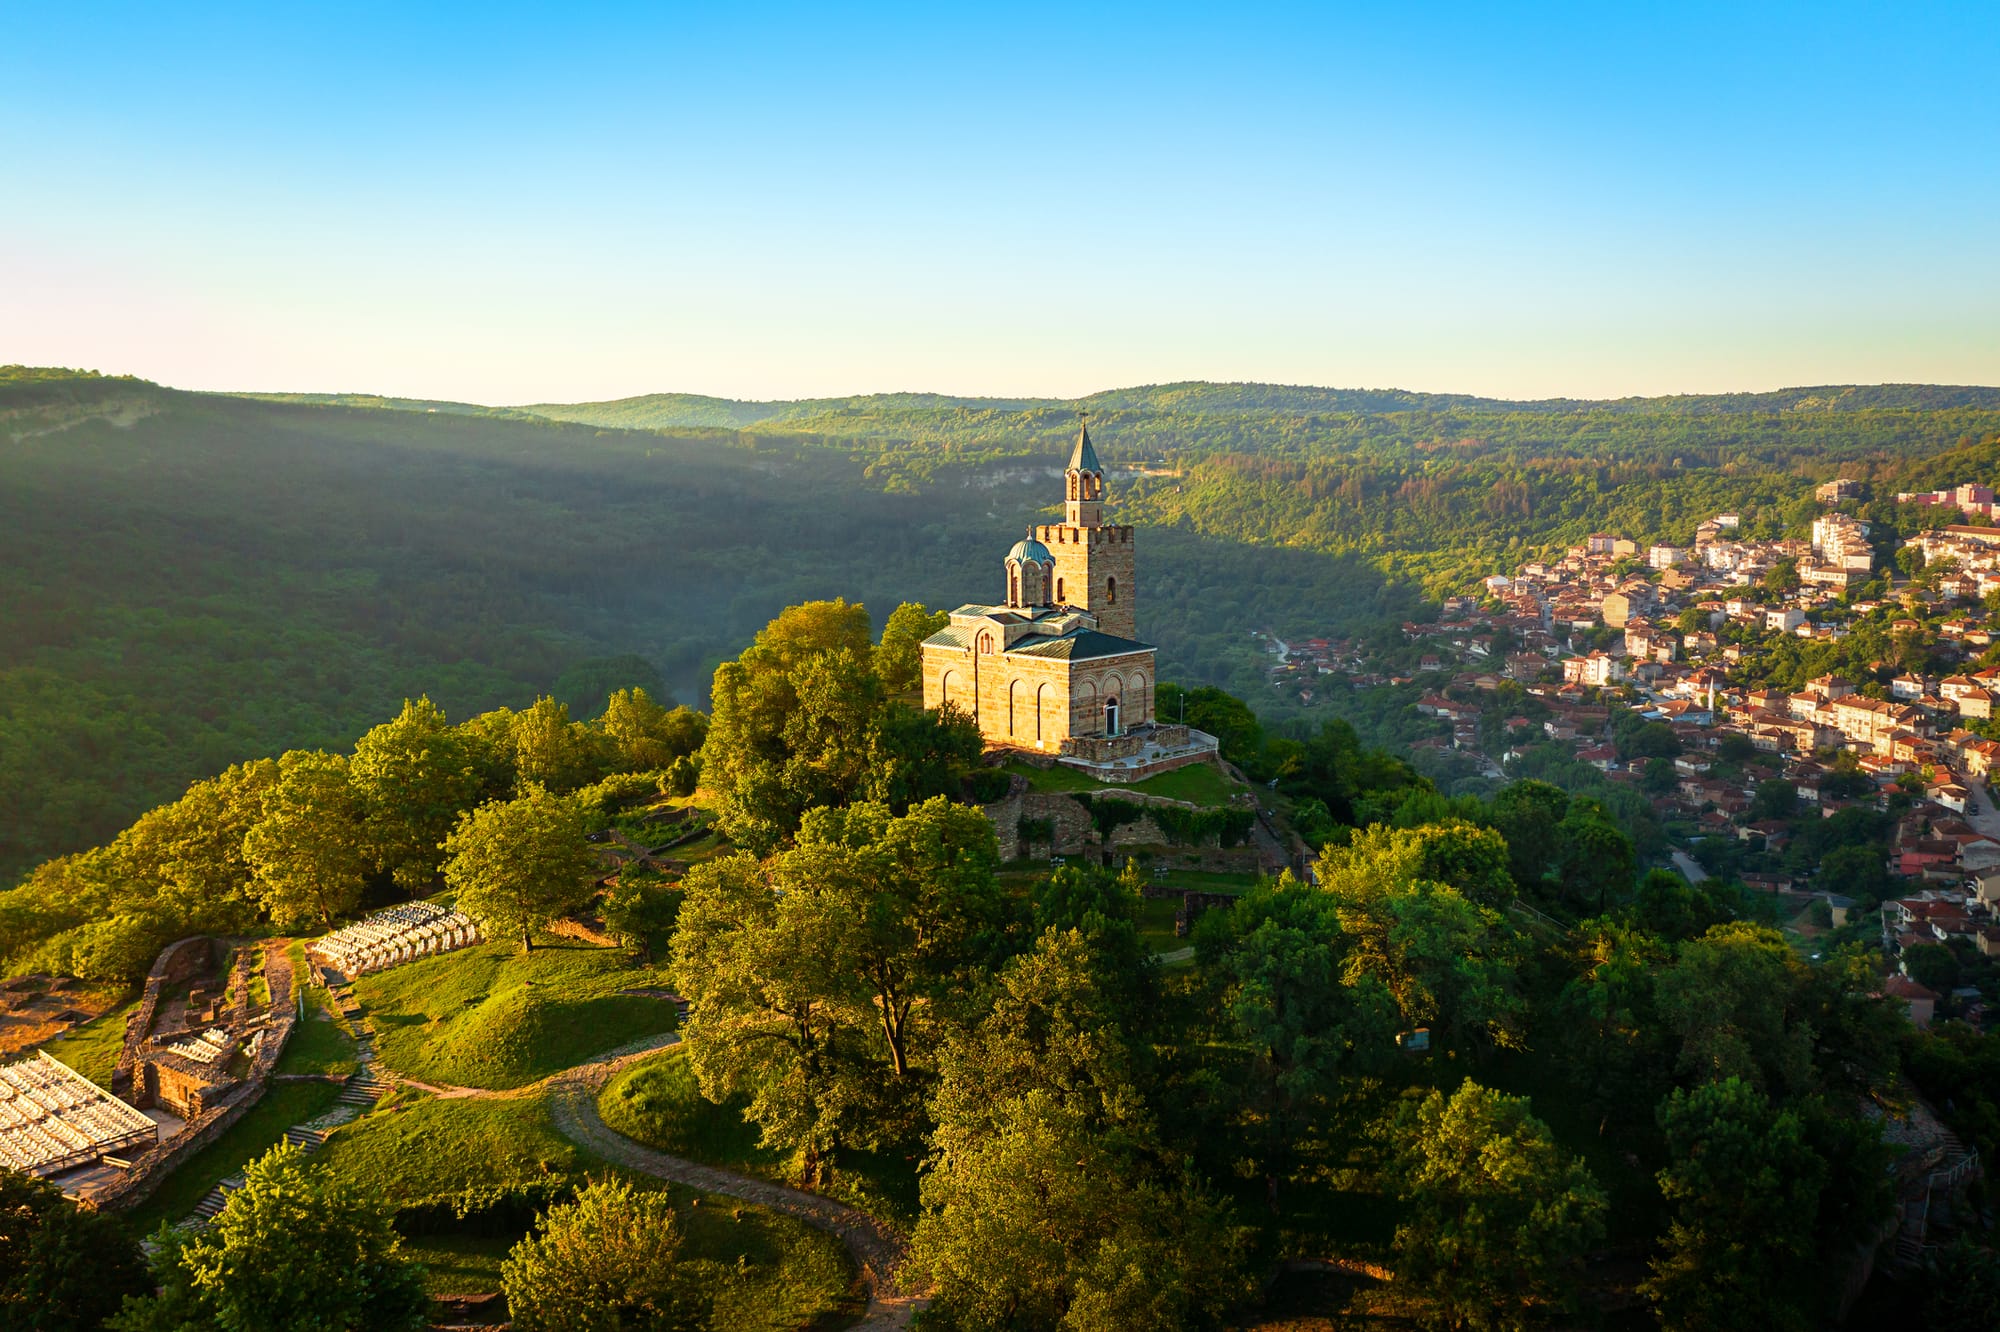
(178, 961)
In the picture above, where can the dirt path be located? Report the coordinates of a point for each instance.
(877, 1250)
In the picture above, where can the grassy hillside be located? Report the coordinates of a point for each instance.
(492, 1016)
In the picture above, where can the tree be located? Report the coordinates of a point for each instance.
(296, 1249)
(1672, 908)
(518, 864)
(917, 753)
(920, 894)
(1729, 1003)
(1859, 872)
(415, 776)
(606, 1262)
(551, 750)
(1775, 799)
(1285, 1002)
(306, 850)
(1596, 859)
(1447, 960)
(899, 660)
(62, 1268)
(1931, 964)
(648, 737)
(1735, 747)
(772, 1009)
(1046, 1203)
(1608, 1027)
(1961, 1286)
(1744, 1187)
(190, 853)
(1527, 814)
(791, 721)
(1659, 776)
(1499, 1216)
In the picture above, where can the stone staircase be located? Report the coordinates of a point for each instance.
(363, 1088)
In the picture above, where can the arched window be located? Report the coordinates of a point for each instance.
(1059, 593)
(1111, 716)
(1111, 591)
(1013, 588)
(986, 642)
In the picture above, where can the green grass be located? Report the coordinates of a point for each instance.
(432, 1146)
(284, 1104)
(320, 1042)
(1198, 783)
(493, 1017)
(458, 1264)
(93, 1048)
(657, 1102)
(763, 1270)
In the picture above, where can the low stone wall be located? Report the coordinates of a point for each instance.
(152, 1166)
(178, 961)
(1075, 832)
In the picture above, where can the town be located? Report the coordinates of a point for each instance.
(1690, 676)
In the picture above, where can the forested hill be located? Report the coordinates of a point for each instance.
(879, 413)
(195, 579)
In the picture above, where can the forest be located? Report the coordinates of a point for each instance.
(196, 579)
(1479, 1048)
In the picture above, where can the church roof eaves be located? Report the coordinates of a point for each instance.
(1080, 645)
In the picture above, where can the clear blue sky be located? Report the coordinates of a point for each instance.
(508, 204)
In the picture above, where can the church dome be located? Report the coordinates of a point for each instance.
(1029, 550)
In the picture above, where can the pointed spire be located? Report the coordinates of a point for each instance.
(1084, 457)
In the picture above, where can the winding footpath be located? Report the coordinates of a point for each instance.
(878, 1251)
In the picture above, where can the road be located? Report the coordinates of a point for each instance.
(1690, 871)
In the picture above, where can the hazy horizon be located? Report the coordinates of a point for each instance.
(504, 204)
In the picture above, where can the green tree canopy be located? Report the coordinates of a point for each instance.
(415, 776)
(307, 850)
(296, 1249)
(606, 1262)
(1498, 1217)
(899, 659)
(62, 1268)
(519, 864)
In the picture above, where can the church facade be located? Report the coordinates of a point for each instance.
(1056, 667)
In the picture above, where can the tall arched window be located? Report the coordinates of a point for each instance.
(1111, 591)
(986, 642)
(1059, 592)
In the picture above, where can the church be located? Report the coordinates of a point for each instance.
(1057, 667)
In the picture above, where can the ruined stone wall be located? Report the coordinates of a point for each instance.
(179, 961)
(1075, 832)
(153, 1165)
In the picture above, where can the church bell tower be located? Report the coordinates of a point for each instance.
(1094, 567)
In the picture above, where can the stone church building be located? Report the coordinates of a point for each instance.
(1057, 667)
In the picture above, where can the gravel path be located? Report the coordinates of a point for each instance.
(876, 1249)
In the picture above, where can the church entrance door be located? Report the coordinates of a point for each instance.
(1111, 716)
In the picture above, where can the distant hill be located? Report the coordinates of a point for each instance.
(199, 578)
(656, 411)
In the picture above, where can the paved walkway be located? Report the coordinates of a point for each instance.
(877, 1250)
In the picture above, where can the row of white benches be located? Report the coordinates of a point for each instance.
(52, 1118)
(400, 934)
